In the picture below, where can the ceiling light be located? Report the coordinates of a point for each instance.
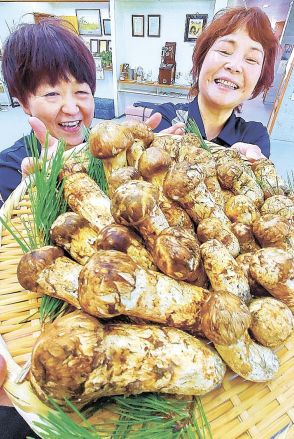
(265, 6)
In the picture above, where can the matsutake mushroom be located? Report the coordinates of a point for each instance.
(79, 359)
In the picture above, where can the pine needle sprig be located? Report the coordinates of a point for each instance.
(59, 425)
(95, 167)
(96, 172)
(140, 417)
(290, 180)
(47, 203)
(51, 308)
(191, 127)
(45, 191)
(17, 236)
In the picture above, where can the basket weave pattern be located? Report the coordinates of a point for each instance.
(238, 409)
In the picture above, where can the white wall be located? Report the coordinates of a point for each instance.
(136, 51)
(19, 12)
(12, 14)
(146, 51)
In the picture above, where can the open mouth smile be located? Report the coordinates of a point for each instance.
(225, 83)
(70, 126)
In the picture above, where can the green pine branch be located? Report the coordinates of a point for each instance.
(140, 417)
(95, 167)
(191, 127)
(290, 180)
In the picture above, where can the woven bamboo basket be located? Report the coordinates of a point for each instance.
(237, 409)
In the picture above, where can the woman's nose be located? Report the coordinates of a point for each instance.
(70, 106)
(234, 64)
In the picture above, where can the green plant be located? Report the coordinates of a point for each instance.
(106, 58)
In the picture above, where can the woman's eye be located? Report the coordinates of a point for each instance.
(52, 93)
(225, 52)
(252, 60)
(82, 92)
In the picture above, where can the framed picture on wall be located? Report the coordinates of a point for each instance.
(89, 21)
(99, 68)
(195, 24)
(103, 46)
(106, 26)
(94, 46)
(137, 25)
(153, 26)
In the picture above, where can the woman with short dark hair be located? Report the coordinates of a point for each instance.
(48, 68)
(233, 60)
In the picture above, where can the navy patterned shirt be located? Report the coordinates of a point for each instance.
(235, 130)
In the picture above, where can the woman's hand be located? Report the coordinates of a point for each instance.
(155, 119)
(250, 151)
(40, 130)
(3, 371)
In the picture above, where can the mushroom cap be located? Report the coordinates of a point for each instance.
(140, 131)
(213, 228)
(134, 152)
(240, 208)
(223, 155)
(154, 161)
(133, 201)
(107, 139)
(120, 176)
(110, 273)
(272, 321)
(244, 261)
(35, 261)
(116, 237)
(191, 139)
(72, 167)
(224, 318)
(170, 143)
(66, 226)
(271, 228)
(273, 268)
(64, 357)
(279, 205)
(245, 237)
(177, 254)
(181, 178)
(228, 173)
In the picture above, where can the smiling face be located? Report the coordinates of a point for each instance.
(230, 70)
(64, 108)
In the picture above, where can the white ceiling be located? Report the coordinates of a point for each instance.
(277, 10)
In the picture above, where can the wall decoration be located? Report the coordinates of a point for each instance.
(71, 22)
(89, 21)
(94, 46)
(106, 26)
(103, 46)
(137, 25)
(194, 26)
(153, 25)
(99, 68)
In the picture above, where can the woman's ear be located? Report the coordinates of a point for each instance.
(26, 108)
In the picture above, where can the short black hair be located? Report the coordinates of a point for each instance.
(48, 51)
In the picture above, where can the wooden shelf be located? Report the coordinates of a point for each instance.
(154, 84)
(154, 89)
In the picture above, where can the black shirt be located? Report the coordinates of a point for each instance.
(235, 130)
